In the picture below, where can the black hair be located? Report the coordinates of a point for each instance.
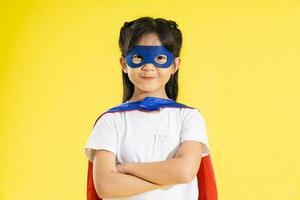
(169, 35)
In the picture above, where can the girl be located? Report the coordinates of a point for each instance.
(150, 146)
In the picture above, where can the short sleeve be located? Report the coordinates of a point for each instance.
(194, 128)
(103, 136)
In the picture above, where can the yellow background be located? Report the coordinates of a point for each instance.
(60, 70)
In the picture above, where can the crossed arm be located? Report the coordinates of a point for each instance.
(129, 179)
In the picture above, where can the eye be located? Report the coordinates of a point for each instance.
(137, 59)
(161, 59)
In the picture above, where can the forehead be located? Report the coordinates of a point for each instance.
(149, 39)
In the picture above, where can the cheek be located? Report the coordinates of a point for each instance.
(165, 76)
(133, 76)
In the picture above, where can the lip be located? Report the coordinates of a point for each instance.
(148, 77)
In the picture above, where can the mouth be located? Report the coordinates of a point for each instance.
(148, 77)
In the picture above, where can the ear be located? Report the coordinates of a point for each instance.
(176, 64)
(123, 64)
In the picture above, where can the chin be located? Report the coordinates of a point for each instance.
(148, 88)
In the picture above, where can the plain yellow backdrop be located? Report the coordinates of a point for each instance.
(59, 63)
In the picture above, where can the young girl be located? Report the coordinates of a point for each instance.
(150, 147)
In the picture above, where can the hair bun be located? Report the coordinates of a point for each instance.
(173, 24)
(127, 24)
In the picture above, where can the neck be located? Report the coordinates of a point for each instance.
(139, 95)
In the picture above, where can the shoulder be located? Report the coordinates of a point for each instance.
(191, 115)
(109, 115)
(187, 111)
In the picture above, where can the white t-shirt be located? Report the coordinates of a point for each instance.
(141, 136)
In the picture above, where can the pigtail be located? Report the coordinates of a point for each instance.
(124, 35)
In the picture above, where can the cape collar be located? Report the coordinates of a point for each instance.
(148, 104)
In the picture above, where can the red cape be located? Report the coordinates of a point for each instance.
(206, 181)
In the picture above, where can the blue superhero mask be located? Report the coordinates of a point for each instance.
(157, 55)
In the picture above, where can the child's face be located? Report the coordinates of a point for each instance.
(159, 76)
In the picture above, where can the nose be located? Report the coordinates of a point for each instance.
(148, 66)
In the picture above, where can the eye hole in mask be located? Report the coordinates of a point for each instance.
(137, 59)
(161, 59)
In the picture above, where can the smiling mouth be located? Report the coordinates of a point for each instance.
(148, 77)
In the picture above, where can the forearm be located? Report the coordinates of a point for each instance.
(124, 185)
(166, 172)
